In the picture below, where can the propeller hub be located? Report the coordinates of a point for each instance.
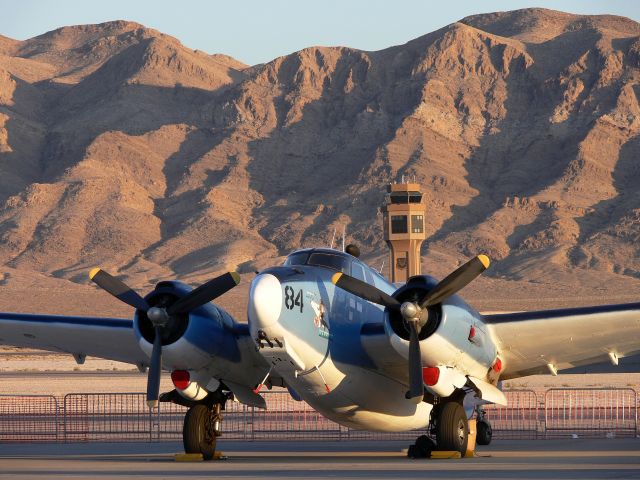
(158, 316)
(410, 311)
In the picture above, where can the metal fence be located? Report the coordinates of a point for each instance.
(85, 417)
(593, 412)
(29, 418)
(521, 418)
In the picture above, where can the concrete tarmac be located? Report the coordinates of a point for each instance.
(516, 459)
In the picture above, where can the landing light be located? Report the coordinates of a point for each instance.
(180, 379)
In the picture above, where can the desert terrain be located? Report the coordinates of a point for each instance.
(123, 148)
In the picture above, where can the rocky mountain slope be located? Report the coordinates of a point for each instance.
(121, 147)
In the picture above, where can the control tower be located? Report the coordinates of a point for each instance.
(403, 215)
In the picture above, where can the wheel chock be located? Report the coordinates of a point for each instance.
(188, 457)
(445, 454)
(471, 439)
(196, 457)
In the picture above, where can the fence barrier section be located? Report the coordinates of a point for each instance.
(87, 417)
(29, 418)
(519, 419)
(592, 412)
(106, 416)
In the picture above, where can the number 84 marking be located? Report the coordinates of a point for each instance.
(292, 300)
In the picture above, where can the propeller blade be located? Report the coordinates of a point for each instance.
(364, 290)
(456, 280)
(205, 293)
(153, 378)
(118, 289)
(416, 387)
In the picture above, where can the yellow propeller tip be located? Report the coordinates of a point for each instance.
(484, 260)
(236, 277)
(336, 277)
(93, 273)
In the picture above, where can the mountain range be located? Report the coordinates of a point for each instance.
(123, 148)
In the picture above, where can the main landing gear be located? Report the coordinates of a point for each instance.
(450, 428)
(202, 423)
(201, 429)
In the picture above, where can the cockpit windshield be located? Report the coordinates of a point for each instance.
(329, 260)
(296, 259)
(334, 261)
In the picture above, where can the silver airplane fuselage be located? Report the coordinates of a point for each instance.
(340, 353)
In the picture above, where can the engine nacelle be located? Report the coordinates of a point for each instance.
(188, 388)
(443, 381)
(454, 336)
(189, 340)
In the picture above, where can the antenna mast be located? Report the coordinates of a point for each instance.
(344, 234)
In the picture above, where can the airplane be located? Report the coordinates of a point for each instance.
(360, 350)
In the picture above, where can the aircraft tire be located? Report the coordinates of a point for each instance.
(485, 433)
(198, 435)
(452, 429)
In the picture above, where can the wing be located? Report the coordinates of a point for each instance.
(110, 338)
(541, 342)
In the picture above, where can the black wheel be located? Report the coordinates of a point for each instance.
(452, 428)
(485, 432)
(198, 435)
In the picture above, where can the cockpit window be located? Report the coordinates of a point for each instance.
(296, 259)
(357, 272)
(379, 281)
(329, 260)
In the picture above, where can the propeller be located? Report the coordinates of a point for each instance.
(364, 290)
(416, 314)
(160, 317)
(118, 289)
(456, 281)
(205, 293)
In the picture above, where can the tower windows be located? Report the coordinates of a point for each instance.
(417, 223)
(399, 224)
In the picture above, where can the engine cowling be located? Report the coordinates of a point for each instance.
(190, 340)
(445, 339)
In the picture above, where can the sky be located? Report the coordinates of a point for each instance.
(256, 31)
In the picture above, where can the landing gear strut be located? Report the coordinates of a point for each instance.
(201, 429)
